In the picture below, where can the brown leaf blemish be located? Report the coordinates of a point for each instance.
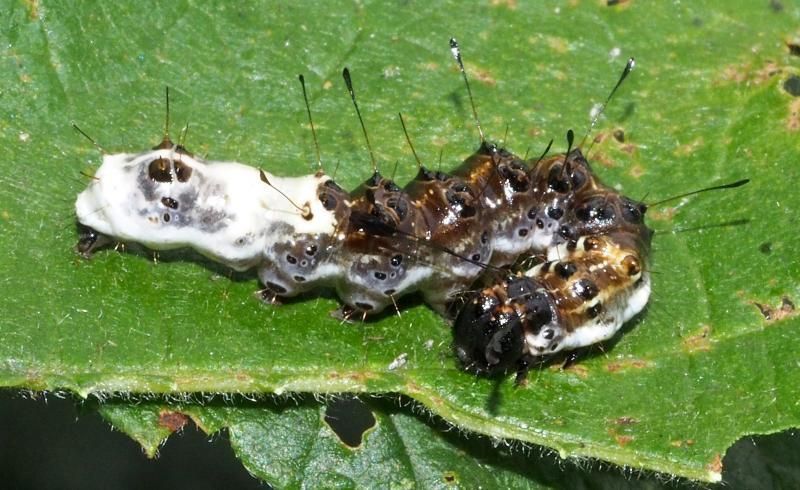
(601, 136)
(483, 76)
(534, 131)
(682, 443)
(735, 73)
(557, 44)
(699, 342)
(785, 310)
(33, 9)
(793, 120)
(636, 171)
(624, 365)
(663, 214)
(413, 388)
(509, 4)
(769, 70)
(603, 159)
(715, 466)
(450, 478)
(746, 73)
(621, 439)
(172, 421)
(577, 369)
(688, 148)
(618, 136)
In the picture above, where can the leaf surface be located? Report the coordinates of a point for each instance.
(711, 101)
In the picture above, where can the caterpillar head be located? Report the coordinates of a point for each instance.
(488, 335)
(503, 326)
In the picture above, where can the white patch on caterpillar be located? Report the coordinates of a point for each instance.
(223, 209)
(618, 305)
(611, 320)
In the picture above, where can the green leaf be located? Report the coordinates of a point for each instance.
(708, 103)
(293, 443)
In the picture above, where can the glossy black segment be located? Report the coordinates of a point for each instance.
(330, 184)
(160, 170)
(555, 213)
(565, 269)
(182, 171)
(539, 310)
(328, 202)
(568, 233)
(594, 310)
(556, 180)
(169, 202)
(586, 289)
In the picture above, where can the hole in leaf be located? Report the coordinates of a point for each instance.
(349, 418)
(792, 86)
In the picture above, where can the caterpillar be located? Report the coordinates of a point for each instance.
(436, 236)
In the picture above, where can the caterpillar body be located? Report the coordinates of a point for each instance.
(437, 235)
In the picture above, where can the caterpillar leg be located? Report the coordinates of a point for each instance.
(90, 240)
(572, 358)
(523, 366)
(350, 314)
(268, 296)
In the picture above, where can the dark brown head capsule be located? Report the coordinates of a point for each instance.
(490, 331)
